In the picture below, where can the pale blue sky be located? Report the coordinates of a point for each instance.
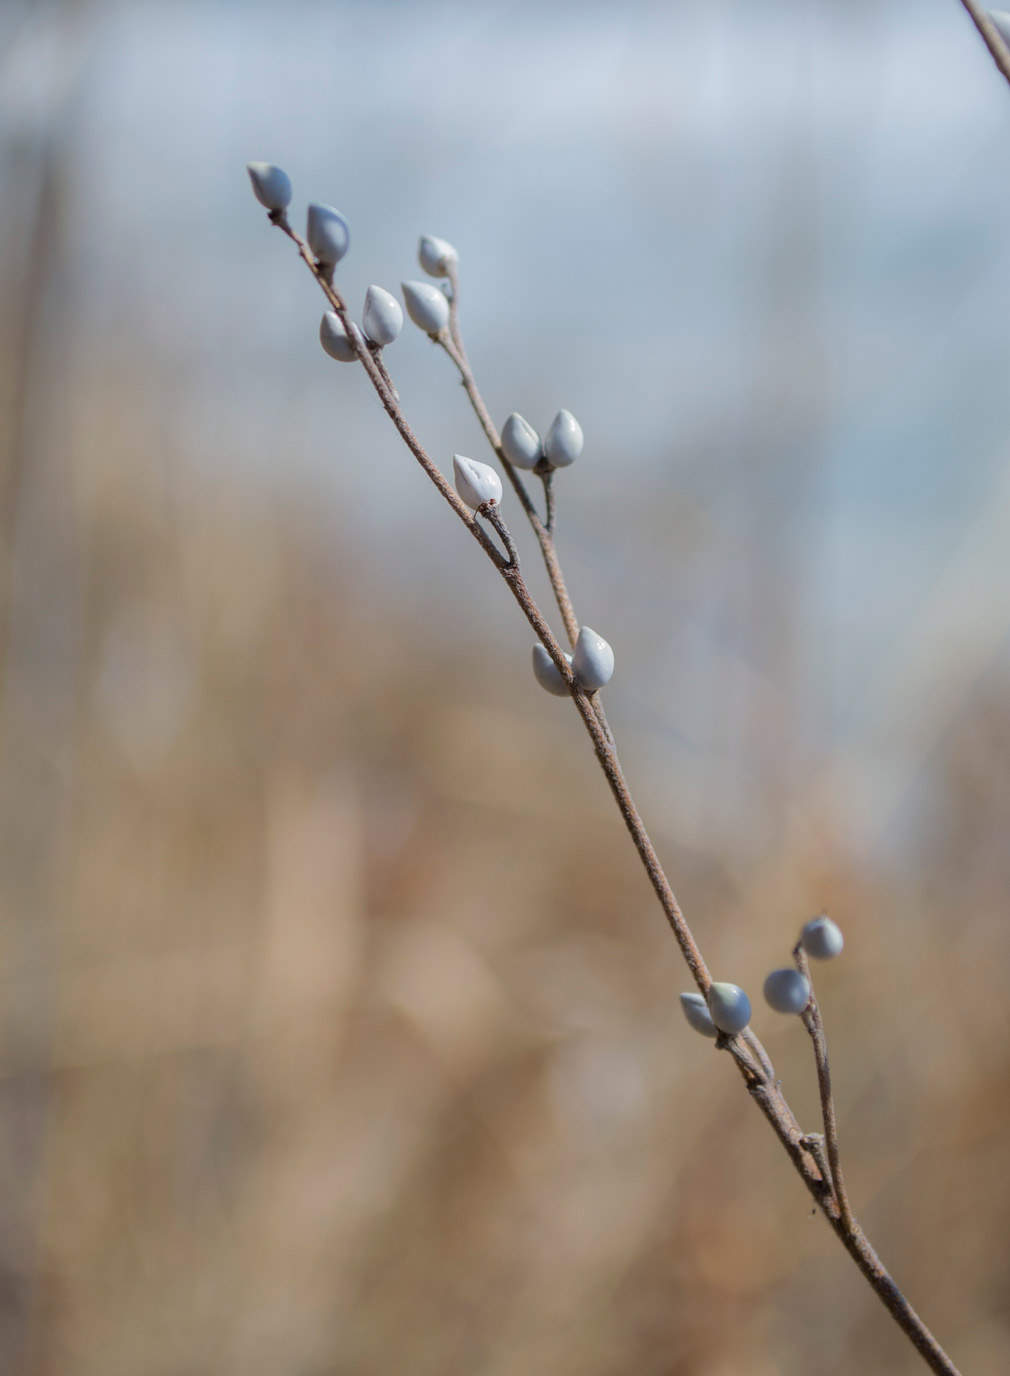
(760, 251)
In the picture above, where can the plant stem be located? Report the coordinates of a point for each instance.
(814, 1024)
(746, 1050)
(991, 36)
(452, 343)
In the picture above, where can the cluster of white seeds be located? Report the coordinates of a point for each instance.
(727, 1008)
(328, 236)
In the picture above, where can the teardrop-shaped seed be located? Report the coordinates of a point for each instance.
(547, 673)
(730, 1007)
(563, 444)
(436, 256)
(382, 318)
(593, 660)
(787, 991)
(426, 306)
(696, 1011)
(520, 442)
(476, 482)
(328, 234)
(822, 938)
(333, 338)
(271, 186)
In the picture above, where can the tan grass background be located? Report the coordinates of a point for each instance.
(338, 1030)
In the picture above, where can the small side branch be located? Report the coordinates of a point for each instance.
(452, 343)
(492, 512)
(814, 1024)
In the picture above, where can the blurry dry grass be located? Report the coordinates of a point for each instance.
(325, 1051)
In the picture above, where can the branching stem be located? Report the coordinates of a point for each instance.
(452, 342)
(814, 1024)
(745, 1049)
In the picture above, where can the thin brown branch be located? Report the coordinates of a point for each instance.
(814, 1024)
(991, 36)
(493, 513)
(549, 502)
(376, 353)
(386, 392)
(453, 345)
(454, 332)
(746, 1050)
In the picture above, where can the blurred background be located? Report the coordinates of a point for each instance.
(339, 1030)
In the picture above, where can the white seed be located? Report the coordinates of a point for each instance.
(382, 318)
(697, 1014)
(520, 442)
(328, 234)
(476, 482)
(270, 185)
(729, 1006)
(333, 338)
(436, 256)
(822, 938)
(1001, 18)
(426, 306)
(787, 991)
(547, 673)
(563, 444)
(593, 660)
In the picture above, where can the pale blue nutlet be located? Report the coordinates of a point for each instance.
(1001, 18)
(593, 661)
(520, 442)
(696, 1011)
(787, 991)
(328, 234)
(270, 185)
(730, 1007)
(563, 444)
(476, 482)
(547, 673)
(382, 318)
(436, 256)
(822, 938)
(426, 306)
(333, 338)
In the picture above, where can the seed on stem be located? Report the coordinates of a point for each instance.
(729, 1007)
(547, 673)
(436, 256)
(593, 660)
(382, 318)
(520, 442)
(787, 991)
(333, 338)
(426, 306)
(328, 234)
(476, 482)
(822, 938)
(697, 1014)
(564, 441)
(271, 186)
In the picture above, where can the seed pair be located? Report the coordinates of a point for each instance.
(591, 662)
(327, 232)
(381, 322)
(523, 448)
(727, 1009)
